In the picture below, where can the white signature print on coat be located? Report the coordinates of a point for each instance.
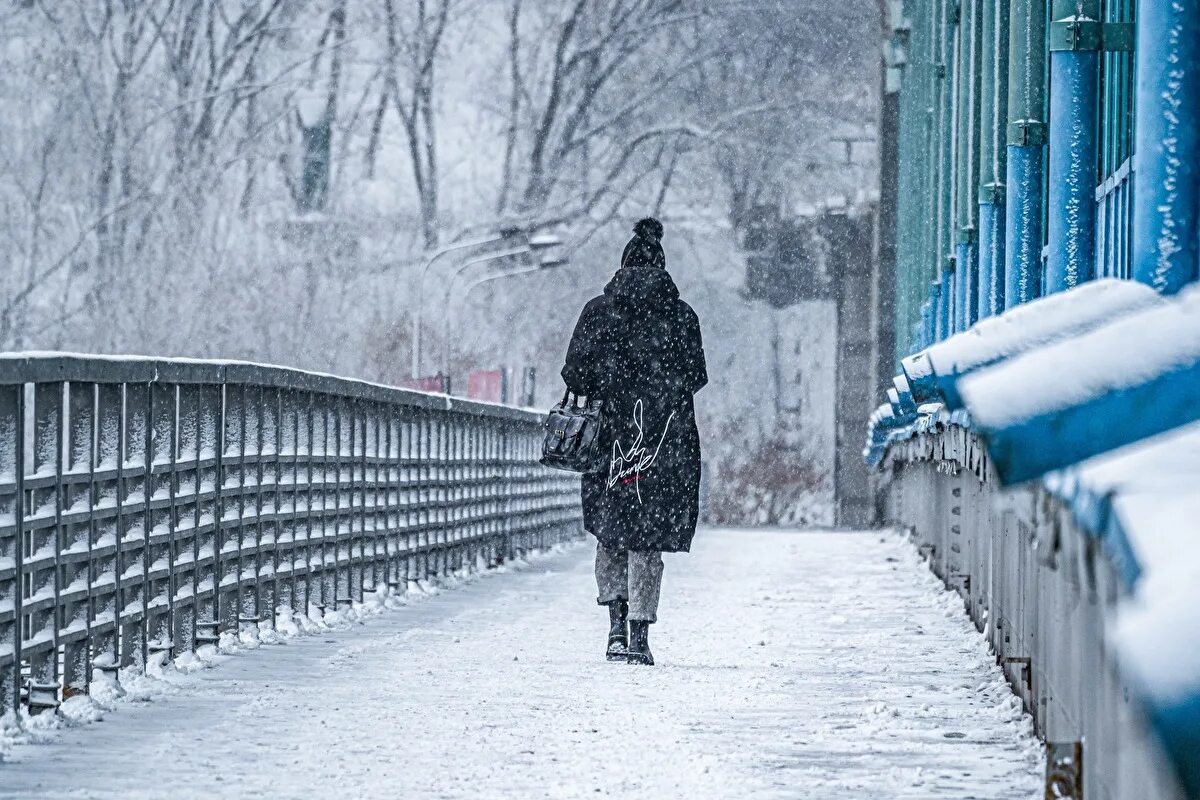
(627, 467)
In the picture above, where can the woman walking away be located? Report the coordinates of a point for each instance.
(637, 349)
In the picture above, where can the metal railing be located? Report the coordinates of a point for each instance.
(147, 506)
(1043, 591)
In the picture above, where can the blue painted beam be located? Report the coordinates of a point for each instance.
(1075, 40)
(905, 402)
(1166, 213)
(1062, 437)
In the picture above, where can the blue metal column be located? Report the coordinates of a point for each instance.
(952, 302)
(966, 270)
(956, 140)
(942, 317)
(1075, 41)
(931, 319)
(991, 251)
(1023, 220)
(943, 218)
(923, 333)
(1026, 152)
(936, 78)
(966, 249)
(993, 103)
(1166, 214)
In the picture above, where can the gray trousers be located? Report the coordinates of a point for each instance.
(630, 575)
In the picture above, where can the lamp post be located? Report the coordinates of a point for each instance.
(536, 243)
(505, 234)
(550, 264)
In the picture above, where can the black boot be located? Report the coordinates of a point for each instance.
(639, 643)
(618, 635)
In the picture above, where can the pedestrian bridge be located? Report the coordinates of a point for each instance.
(331, 588)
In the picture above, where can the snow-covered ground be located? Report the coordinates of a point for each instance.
(799, 665)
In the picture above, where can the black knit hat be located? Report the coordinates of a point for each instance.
(644, 249)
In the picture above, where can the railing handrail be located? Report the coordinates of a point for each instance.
(54, 366)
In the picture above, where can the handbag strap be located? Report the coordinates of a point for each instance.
(568, 394)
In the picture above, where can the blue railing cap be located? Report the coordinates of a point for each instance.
(1063, 403)
(934, 372)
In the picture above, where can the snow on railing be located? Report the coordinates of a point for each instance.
(149, 506)
(934, 372)
(1087, 572)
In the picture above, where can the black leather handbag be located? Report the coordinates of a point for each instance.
(572, 435)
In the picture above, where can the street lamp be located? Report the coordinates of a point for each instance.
(503, 235)
(552, 262)
(541, 243)
(544, 265)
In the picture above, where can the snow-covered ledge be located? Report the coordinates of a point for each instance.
(1055, 602)
(1085, 402)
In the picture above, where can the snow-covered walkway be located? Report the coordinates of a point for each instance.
(799, 665)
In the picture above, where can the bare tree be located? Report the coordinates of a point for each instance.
(414, 40)
(582, 111)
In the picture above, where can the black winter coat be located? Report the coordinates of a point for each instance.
(637, 347)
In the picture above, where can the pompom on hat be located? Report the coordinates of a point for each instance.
(649, 228)
(645, 248)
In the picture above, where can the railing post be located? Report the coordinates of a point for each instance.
(189, 483)
(142, 420)
(161, 519)
(287, 503)
(312, 468)
(44, 546)
(12, 555)
(1166, 215)
(77, 614)
(250, 597)
(233, 465)
(358, 474)
(333, 522)
(329, 492)
(293, 466)
(107, 470)
(1075, 42)
(210, 427)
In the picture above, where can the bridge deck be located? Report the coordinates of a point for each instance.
(822, 665)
